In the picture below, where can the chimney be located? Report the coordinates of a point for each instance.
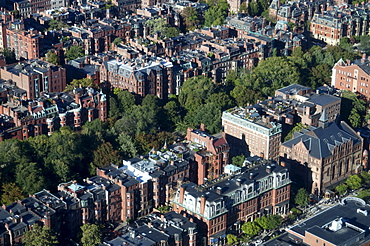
(282, 163)
(268, 169)
(162, 218)
(202, 204)
(182, 192)
(202, 127)
(348, 62)
(219, 190)
(238, 182)
(363, 58)
(251, 175)
(150, 225)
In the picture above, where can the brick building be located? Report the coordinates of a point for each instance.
(35, 77)
(323, 156)
(23, 119)
(218, 205)
(352, 76)
(210, 153)
(142, 76)
(248, 132)
(27, 44)
(346, 223)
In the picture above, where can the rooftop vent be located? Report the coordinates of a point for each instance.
(360, 211)
(336, 225)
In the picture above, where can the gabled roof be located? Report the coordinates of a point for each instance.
(321, 142)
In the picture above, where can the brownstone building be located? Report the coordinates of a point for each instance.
(216, 206)
(323, 156)
(210, 153)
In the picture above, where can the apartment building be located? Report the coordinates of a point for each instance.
(218, 205)
(143, 75)
(250, 133)
(35, 77)
(352, 76)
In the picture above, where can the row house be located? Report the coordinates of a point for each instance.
(159, 174)
(331, 26)
(210, 153)
(219, 205)
(252, 133)
(297, 12)
(242, 23)
(142, 76)
(170, 229)
(23, 119)
(35, 77)
(323, 156)
(352, 76)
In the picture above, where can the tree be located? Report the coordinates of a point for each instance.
(238, 160)
(251, 228)
(10, 193)
(364, 43)
(156, 25)
(74, 52)
(269, 222)
(91, 235)
(9, 56)
(84, 82)
(127, 145)
(117, 41)
(297, 128)
(171, 32)
(302, 198)
(195, 91)
(190, 15)
(57, 25)
(40, 236)
(52, 57)
(216, 13)
(354, 182)
(231, 239)
(104, 155)
(364, 194)
(29, 177)
(341, 189)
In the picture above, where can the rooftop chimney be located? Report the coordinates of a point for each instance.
(268, 169)
(251, 175)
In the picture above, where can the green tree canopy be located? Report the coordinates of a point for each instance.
(40, 236)
(105, 155)
(74, 52)
(216, 13)
(190, 15)
(251, 228)
(85, 82)
(9, 56)
(231, 239)
(354, 182)
(302, 198)
(269, 222)
(195, 91)
(10, 193)
(341, 189)
(117, 41)
(91, 235)
(57, 25)
(238, 160)
(52, 57)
